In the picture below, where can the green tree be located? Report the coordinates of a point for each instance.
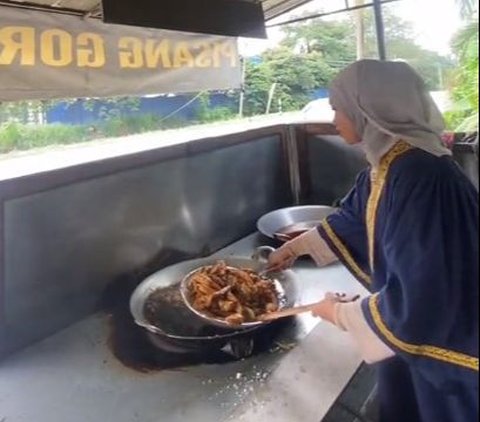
(334, 41)
(23, 111)
(313, 52)
(258, 80)
(307, 58)
(467, 8)
(464, 82)
(401, 45)
(294, 75)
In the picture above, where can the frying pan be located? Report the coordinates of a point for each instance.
(197, 332)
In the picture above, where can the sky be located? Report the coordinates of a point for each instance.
(434, 22)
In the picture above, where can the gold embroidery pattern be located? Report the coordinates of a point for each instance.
(378, 179)
(433, 352)
(345, 253)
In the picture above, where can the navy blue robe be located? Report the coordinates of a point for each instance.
(409, 232)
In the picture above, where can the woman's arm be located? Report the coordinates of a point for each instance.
(349, 317)
(341, 236)
(309, 243)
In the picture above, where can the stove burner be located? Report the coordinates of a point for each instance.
(137, 349)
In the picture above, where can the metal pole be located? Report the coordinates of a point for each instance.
(360, 30)
(377, 8)
(321, 15)
(242, 88)
(270, 97)
(440, 77)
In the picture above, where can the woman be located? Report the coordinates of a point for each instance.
(408, 230)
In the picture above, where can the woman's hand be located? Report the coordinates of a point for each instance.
(325, 309)
(281, 258)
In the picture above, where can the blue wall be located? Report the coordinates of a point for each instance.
(162, 106)
(76, 113)
(320, 93)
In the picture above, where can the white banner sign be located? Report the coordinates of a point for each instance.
(45, 55)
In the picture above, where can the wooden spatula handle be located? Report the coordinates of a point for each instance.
(287, 312)
(298, 310)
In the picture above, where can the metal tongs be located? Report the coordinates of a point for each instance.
(261, 254)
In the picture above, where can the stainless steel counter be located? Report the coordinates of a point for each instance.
(73, 377)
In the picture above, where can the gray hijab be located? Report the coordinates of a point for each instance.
(388, 101)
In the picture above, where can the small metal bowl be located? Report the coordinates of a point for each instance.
(220, 322)
(281, 223)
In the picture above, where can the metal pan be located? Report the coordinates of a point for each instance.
(199, 330)
(285, 223)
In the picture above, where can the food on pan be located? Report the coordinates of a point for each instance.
(237, 295)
